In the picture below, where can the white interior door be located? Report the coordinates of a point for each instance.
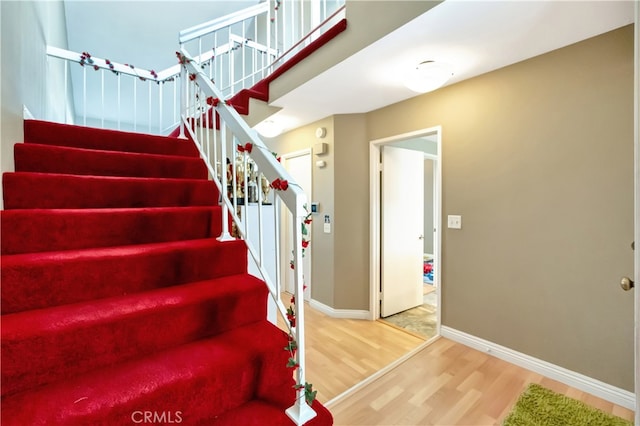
(299, 167)
(402, 223)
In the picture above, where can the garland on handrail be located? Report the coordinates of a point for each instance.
(309, 393)
(282, 185)
(86, 59)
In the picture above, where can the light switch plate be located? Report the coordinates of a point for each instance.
(454, 221)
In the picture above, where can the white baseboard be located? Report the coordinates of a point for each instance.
(579, 381)
(339, 313)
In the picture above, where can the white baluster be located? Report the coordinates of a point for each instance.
(302, 25)
(102, 96)
(260, 225)
(183, 99)
(276, 226)
(201, 110)
(225, 236)
(246, 195)
(160, 89)
(84, 94)
(175, 116)
(66, 91)
(119, 104)
(149, 84)
(135, 105)
(229, 57)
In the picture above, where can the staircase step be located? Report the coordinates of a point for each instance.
(79, 161)
(118, 301)
(49, 133)
(36, 230)
(121, 328)
(41, 280)
(27, 190)
(195, 382)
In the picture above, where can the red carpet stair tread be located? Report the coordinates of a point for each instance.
(116, 296)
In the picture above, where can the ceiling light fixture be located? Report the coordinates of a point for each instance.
(269, 128)
(428, 76)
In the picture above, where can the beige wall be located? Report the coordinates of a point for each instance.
(538, 160)
(351, 222)
(26, 77)
(322, 245)
(340, 259)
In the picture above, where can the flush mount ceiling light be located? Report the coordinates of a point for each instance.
(269, 128)
(428, 76)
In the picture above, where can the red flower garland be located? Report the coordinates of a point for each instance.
(182, 60)
(248, 147)
(280, 184)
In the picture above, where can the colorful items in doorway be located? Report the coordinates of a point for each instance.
(428, 271)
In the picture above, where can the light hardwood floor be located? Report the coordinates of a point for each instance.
(447, 383)
(341, 353)
(444, 383)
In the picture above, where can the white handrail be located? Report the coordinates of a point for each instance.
(220, 23)
(195, 115)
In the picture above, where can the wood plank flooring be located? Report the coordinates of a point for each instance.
(341, 353)
(444, 383)
(447, 383)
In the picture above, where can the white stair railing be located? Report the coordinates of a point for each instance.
(229, 146)
(120, 96)
(263, 37)
(246, 31)
(237, 51)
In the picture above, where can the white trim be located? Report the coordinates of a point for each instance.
(374, 232)
(430, 157)
(636, 144)
(374, 218)
(579, 381)
(339, 313)
(375, 376)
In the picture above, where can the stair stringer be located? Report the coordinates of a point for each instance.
(258, 111)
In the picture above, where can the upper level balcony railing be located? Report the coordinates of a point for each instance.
(235, 51)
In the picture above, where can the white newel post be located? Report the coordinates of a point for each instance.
(300, 412)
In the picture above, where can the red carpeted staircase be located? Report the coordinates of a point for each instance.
(119, 306)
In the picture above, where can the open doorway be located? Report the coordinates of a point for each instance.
(405, 175)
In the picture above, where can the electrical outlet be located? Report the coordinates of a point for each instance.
(454, 221)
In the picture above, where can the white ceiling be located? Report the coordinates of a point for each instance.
(474, 36)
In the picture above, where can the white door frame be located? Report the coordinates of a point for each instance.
(636, 272)
(374, 217)
(284, 256)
